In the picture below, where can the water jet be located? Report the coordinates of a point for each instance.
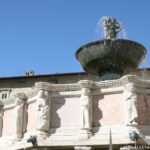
(111, 58)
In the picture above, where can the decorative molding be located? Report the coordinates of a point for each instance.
(43, 85)
(5, 89)
(101, 87)
(102, 84)
(9, 106)
(101, 130)
(83, 148)
(66, 94)
(69, 137)
(65, 87)
(86, 84)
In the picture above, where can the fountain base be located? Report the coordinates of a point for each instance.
(109, 76)
(111, 59)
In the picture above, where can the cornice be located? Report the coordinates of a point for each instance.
(102, 85)
(43, 86)
(123, 81)
(86, 84)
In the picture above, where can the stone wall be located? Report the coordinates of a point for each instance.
(81, 113)
(25, 83)
(143, 109)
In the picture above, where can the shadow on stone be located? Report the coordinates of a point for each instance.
(56, 104)
(97, 113)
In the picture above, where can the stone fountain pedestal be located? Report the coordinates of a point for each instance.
(111, 59)
(109, 112)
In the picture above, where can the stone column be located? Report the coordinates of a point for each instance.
(25, 114)
(85, 109)
(82, 148)
(48, 100)
(19, 116)
(1, 117)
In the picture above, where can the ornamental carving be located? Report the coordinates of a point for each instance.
(86, 84)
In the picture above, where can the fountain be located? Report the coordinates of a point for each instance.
(81, 114)
(111, 58)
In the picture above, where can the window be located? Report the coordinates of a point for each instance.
(4, 93)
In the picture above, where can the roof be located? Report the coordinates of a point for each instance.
(57, 74)
(44, 75)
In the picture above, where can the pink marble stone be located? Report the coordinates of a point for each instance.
(108, 110)
(7, 123)
(32, 117)
(65, 112)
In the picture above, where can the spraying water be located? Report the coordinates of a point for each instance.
(110, 28)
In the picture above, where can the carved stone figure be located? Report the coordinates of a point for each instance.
(19, 116)
(1, 118)
(42, 111)
(86, 112)
(130, 100)
(111, 27)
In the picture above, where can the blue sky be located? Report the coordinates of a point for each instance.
(43, 35)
